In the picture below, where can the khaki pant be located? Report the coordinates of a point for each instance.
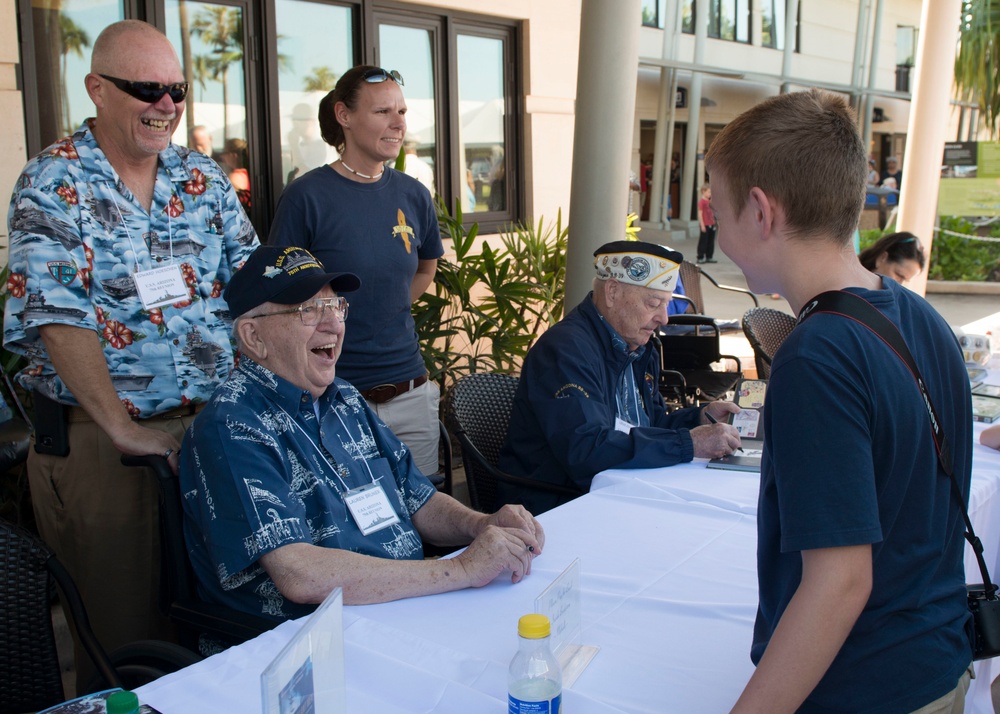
(100, 518)
(413, 418)
(953, 702)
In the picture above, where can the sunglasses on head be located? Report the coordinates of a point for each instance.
(150, 92)
(377, 75)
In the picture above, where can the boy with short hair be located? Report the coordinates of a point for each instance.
(862, 601)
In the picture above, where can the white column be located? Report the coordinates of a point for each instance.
(602, 141)
(690, 175)
(925, 134)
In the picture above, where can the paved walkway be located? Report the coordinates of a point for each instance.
(956, 308)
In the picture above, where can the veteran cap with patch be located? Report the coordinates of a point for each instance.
(638, 263)
(282, 274)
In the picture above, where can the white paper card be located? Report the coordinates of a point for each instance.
(161, 286)
(560, 602)
(622, 425)
(308, 674)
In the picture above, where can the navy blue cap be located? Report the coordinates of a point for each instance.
(286, 275)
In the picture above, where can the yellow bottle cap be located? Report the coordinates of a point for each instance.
(533, 626)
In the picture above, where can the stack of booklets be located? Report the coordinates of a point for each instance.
(986, 403)
(749, 423)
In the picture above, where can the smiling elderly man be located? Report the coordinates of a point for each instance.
(294, 487)
(588, 398)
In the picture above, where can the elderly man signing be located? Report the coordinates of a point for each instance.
(294, 487)
(588, 399)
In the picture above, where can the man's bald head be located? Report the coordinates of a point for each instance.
(118, 40)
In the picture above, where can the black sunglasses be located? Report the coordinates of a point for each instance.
(150, 92)
(378, 75)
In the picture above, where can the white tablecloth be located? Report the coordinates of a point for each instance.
(669, 592)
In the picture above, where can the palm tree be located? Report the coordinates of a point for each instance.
(222, 29)
(978, 57)
(322, 79)
(72, 38)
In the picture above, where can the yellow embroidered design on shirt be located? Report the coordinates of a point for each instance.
(402, 230)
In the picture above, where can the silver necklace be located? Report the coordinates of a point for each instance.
(358, 173)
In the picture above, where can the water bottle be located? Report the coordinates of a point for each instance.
(534, 681)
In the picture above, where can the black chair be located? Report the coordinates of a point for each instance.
(202, 627)
(30, 675)
(477, 410)
(691, 275)
(766, 329)
(689, 345)
(443, 479)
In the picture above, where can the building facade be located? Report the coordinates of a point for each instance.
(490, 86)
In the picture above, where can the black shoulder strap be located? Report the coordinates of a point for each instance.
(855, 307)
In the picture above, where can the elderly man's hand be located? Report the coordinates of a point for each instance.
(496, 550)
(715, 440)
(718, 411)
(519, 518)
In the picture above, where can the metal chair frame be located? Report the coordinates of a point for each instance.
(765, 329)
(477, 409)
(30, 675)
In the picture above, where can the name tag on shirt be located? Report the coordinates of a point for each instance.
(371, 508)
(161, 286)
(623, 426)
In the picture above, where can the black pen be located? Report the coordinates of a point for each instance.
(716, 421)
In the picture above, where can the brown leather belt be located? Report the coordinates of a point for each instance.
(385, 392)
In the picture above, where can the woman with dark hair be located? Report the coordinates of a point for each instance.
(895, 255)
(358, 215)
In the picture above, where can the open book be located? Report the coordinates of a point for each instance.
(749, 423)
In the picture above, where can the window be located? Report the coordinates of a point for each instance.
(259, 69)
(727, 19)
(56, 46)
(772, 18)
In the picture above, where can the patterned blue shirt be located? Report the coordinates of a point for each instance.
(78, 235)
(259, 471)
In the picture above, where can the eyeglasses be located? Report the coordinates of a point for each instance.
(312, 313)
(150, 92)
(379, 75)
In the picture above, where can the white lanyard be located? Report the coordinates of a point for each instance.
(161, 286)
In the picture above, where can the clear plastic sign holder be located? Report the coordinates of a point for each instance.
(560, 602)
(307, 676)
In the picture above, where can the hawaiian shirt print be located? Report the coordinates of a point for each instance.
(260, 470)
(77, 237)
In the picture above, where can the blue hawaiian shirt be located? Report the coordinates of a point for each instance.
(264, 466)
(77, 236)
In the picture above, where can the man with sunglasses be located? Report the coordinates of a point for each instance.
(121, 245)
(294, 486)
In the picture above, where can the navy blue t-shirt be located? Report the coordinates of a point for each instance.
(379, 232)
(849, 460)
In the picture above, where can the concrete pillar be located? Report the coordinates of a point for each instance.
(791, 26)
(602, 143)
(869, 102)
(659, 187)
(689, 173)
(925, 133)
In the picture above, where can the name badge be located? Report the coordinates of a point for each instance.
(622, 425)
(160, 286)
(371, 508)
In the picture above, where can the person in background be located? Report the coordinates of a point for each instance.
(293, 487)
(381, 225)
(873, 177)
(588, 397)
(706, 223)
(121, 245)
(200, 140)
(894, 172)
(417, 167)
(862, 596)
(895, 255)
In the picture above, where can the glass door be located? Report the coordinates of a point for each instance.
(210, 39)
